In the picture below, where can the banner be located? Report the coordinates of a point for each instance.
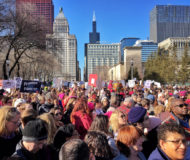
(9, 84)
(30, 86)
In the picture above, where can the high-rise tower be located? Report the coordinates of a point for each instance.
(42, 9)
(66, 49)
(94, 37)
(169, 21)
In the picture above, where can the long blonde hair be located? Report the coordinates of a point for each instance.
(48, 118)
(113, 121)
(7, 113)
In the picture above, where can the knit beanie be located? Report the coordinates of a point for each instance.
(136, 114)
(35, 130)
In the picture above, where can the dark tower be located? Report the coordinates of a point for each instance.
(94, 37)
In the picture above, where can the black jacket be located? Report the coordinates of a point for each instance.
(21, 153)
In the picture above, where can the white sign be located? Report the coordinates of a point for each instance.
(18, 81)
(147, 84)
(131, 83)
(9, 84)
(92, 81)
(157, 84)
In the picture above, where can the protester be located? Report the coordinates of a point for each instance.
(74, 149)
(9, 135)
(172, 143)
(129, 142)
(98, 145)
(81, 117)
(117, 120)
(101, 124)
(32, 146)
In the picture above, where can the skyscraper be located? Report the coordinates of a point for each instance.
(42, 9)
(169, 21)
(148, 47)
(94, 37)
(64, 47)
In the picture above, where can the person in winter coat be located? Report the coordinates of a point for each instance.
(172, 143)
(33, 143)
(81, 117)
(9, 135)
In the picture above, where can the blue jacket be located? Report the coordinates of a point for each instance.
(158, 154)
(155, 155)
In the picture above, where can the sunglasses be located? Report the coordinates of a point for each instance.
(58, 114)
(182, 105)
(12, 110)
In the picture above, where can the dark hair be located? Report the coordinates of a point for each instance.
(98, 145)
(74, 149)
(100, 123)
(169, 127)
(64, 132)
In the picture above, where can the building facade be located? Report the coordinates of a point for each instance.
(121, 70)
(148, 47)
(42, 9)
(127, 42)
(100, 57)
(64, 47)
(169, 21)
(179, 42)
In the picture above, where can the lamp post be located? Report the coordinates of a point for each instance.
(131, 68)
(7, 63)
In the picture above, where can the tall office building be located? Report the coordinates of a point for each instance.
(126, 42)
(64, 47)
(100, 56)
(94, 37)
(42, 9)
(147, 48)
(169, 21)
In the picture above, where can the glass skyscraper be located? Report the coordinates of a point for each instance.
(169, 21)
(148, 47)
(127, 42)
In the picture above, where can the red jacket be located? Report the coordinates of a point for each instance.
(82, 123)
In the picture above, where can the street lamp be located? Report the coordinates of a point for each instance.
(131, 68)
(7, 63)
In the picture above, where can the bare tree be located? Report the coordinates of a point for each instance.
(102, 72)
(22, 33)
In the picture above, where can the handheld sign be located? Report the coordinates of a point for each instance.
(92, 80)
(8, 84)
(30, 86)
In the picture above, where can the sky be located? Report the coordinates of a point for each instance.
(115, 19)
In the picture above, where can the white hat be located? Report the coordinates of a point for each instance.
(19, 101)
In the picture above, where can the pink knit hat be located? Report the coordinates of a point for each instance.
(91, 106)
(61, 95)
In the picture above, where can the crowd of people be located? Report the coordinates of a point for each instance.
(111, 123)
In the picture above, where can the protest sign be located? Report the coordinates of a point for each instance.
(131, 83)
(18, 81)
(92, 80)
(30, 86)
(147, 84)
(9, 84)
